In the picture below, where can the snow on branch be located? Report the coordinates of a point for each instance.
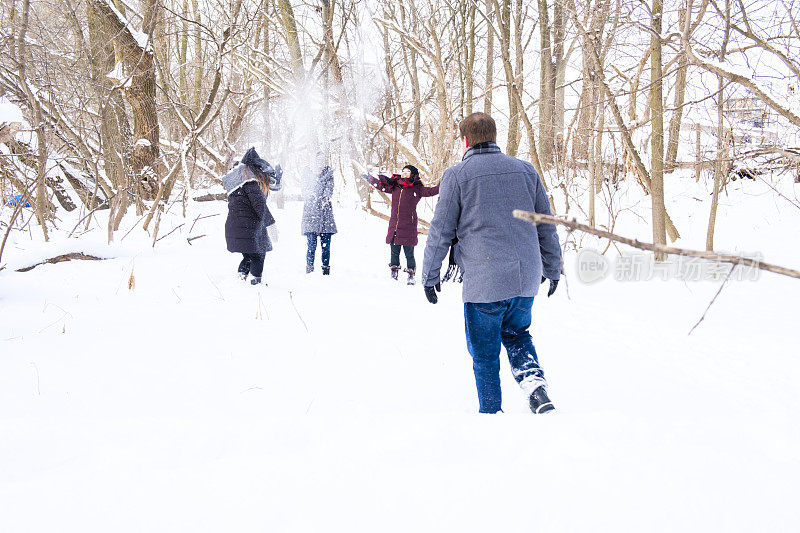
(140, 37)
(743, 78)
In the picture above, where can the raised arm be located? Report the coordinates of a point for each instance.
(429, 191)
(381, 184)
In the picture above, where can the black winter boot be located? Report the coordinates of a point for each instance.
(539, 401)
(326, 270)
(255, 281)
(410, 272)
(395, 271)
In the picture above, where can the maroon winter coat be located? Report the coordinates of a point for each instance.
(403, 220)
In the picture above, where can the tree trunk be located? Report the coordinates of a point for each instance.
(470, 57)
(140, 91)
(677, 112)
(198, 59)
(560, 64)
(547, 89)
(657, 137)
(487, 93)
(512, 141)
(718, 167)
(42, 203)
(292, 40)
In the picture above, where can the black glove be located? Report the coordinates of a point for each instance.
(430, 292)
(386, 180)
(553, 285)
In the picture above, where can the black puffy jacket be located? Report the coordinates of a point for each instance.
(248, 219)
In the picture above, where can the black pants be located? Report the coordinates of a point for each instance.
(394, 260)
(253, 263)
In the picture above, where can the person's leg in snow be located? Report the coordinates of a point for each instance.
(256, 267)
(411, 263)
(312, 252)
(394, 259)
(482, 325)
(522, 354)
(244, 266)
(325, 240)
(487, 324)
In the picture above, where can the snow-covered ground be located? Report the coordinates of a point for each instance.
(195, 402)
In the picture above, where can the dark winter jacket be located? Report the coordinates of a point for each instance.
(502, 257)
(403, 220)
(248, 215)
(317, 209)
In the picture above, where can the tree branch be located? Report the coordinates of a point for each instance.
(536, 218)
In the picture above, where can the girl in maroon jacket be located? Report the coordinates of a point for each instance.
(407, 190)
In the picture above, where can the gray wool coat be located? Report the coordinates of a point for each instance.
(501, 256)
(317, 209)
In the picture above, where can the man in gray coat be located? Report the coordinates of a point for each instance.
(502, 258)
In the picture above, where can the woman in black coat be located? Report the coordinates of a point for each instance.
(248, 185)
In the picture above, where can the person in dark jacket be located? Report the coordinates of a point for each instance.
(503, 259)
(407, 190)
(318, 222)
(247, 186)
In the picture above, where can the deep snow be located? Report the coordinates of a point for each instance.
(195, 402)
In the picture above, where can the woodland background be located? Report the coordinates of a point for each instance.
(134, 105)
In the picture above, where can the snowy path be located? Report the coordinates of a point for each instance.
(198, 403)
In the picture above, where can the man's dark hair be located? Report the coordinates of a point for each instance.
(478, 128)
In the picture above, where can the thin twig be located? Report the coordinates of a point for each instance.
(84, 218)
(779, 192)
(36, 372)
(170, 233)
(190, 239)
(130, 230)
(291, 298)
(201, 218)
(714, 298)
(219, 292)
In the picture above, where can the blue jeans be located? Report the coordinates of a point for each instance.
(489, 324)
(325, 240)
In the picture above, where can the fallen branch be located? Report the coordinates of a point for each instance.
(61, 258)
(536, 218)
(210, 197)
